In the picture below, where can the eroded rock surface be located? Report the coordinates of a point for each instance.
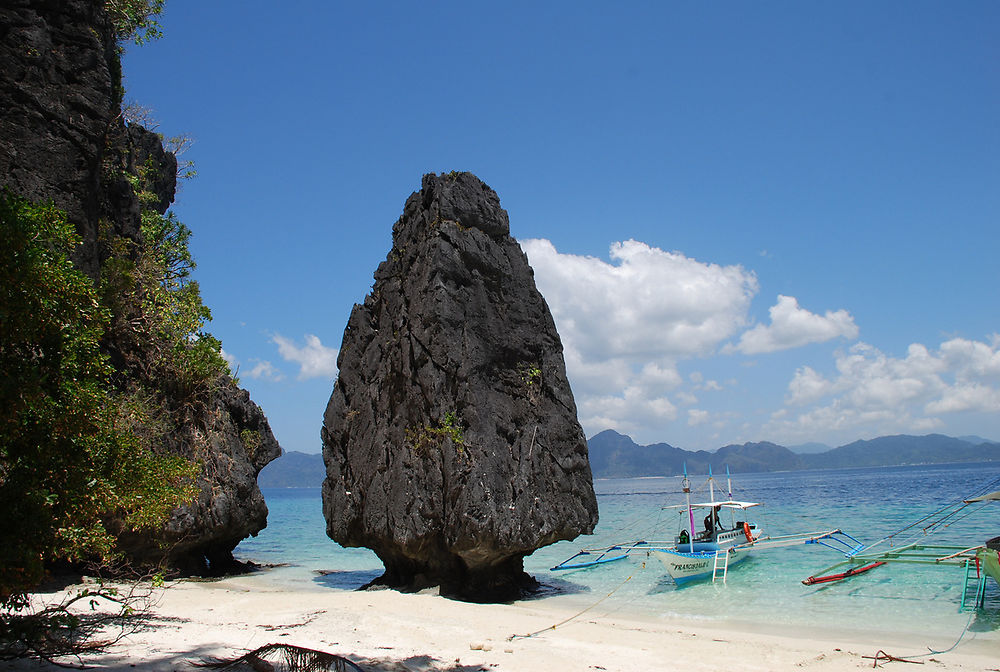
(451, 440)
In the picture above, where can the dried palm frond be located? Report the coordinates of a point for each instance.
(284, 658)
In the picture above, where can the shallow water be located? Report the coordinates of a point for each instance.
(764, 592)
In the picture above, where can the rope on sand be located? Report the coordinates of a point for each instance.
(576, 615)
(957, 641)
(885, 657)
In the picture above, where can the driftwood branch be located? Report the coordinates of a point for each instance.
(883, 657)
(88, 621)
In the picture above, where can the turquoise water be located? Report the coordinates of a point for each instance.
(764, 592)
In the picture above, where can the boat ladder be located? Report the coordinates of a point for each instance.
(721, 563)
(979, 595)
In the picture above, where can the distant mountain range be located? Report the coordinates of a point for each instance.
(293, 470)
(614, 455)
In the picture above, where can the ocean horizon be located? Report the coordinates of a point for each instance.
(763, 593)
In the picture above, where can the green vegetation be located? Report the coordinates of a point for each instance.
(77, 452)
(250, 438)
(157, 313)
(104, 383)
(452, 428)
(132, 21)
(532, 376)
(135, 20)
(85, 446)
(158, 317)
(423, 438)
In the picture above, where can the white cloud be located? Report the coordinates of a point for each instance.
(230, 359)
(315, 360)
(629, 412)
(966, 397)
(807, 386)
(879, 394)
(697, 417)
(974, 360)
(626, 324)
(629, 322)
(649, 303)
(264, 370)
(686, 398)
(793, 327)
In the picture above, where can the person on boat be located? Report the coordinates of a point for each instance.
(709, 527)
(711, 522)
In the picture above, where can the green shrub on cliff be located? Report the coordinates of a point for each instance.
(158, 317)
(105, 384)
(70, 458)
(135, 19)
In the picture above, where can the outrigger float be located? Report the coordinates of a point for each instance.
(726, 540)
(979, 562)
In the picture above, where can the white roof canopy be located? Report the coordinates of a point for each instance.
(728, 504)
(994, 496)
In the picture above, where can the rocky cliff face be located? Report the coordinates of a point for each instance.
(450, 439)
(62, 138)
(233, 441)
(57, 93)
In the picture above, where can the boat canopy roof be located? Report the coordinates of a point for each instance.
(994, 496)
(728, 504)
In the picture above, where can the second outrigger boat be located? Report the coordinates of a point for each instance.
(978, 561)
(727, 538)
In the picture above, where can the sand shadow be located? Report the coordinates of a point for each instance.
(414, 664)
(551, 586)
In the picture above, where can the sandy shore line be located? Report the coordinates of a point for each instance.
(386, 630)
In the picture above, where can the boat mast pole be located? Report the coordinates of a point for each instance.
(729, 489)
(711, 498)
(686, 485)
(711, 486)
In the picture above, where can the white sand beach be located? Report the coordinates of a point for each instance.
(387, 630)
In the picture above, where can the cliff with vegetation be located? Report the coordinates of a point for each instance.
(123, 435)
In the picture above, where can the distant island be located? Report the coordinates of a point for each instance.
(293, 470)
(614, 455)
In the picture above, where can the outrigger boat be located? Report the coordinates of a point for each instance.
(725, 541)
(979, 562)
(699, 556)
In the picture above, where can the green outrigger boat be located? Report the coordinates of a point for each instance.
(979, 562)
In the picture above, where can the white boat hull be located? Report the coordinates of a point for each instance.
(685, 566)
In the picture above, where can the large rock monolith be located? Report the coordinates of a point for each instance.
(451, 441)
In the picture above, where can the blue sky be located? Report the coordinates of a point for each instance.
(752, 221)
